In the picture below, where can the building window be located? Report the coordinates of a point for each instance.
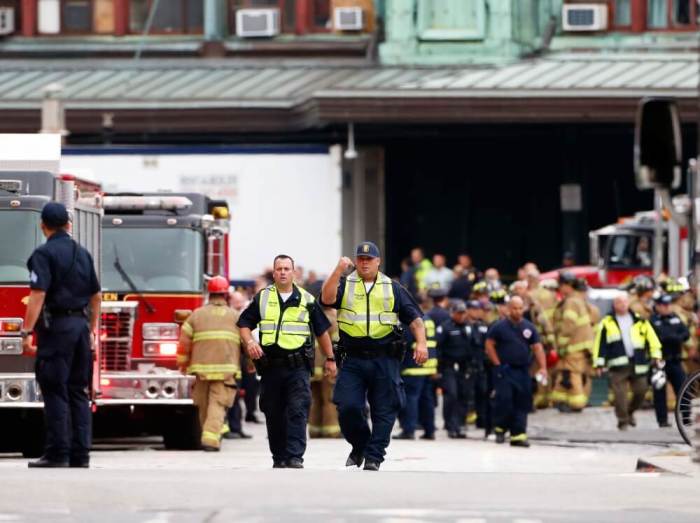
(622, 13)
(452, 19)
(75, 16)
(321, 15)
(5, 16)
(653, 15)
(170, 16)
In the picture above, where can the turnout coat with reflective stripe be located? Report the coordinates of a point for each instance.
(609, 349)
(430, 367)
(290, 329)
(362, 314)
(572, 324)
(215, 351)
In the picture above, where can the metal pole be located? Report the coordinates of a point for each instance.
(658, 235)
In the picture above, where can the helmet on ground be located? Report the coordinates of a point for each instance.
(217, 285)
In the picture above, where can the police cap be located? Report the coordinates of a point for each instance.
(368, 249)
(54, 214)
(473, 304)
(664, 299)
(457, 306)
(437, 292)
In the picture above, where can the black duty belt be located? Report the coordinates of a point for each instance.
(292, 360)
(368, 354)
(68, 312)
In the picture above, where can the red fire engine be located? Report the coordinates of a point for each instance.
(158, 251)
(623, 250)
(22, 196)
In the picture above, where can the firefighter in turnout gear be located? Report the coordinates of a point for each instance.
(574, 336)
(288, 318)
(209, 348)
(625, 346)
(371, 308)
(323, 418)
(642, 303)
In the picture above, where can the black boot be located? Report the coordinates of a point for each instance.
(45, 463)
(372, 465)
(355, 459)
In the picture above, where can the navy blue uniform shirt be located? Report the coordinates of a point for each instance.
(513, 341)
(404, 305)
(454, 341)
(250, 317)
(68, 285)
(438, 315)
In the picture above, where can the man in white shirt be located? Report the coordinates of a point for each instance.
(440, 277)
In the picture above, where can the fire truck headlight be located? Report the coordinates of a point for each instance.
(159, 348)
(160, 331)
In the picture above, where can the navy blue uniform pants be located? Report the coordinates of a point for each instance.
(376, 381)
(482, 399)
(420, 405)
(455, 395)
(63, 372)
(235, 414)
(675, 376)
(249, 383)
(512, 399)
(285, 398)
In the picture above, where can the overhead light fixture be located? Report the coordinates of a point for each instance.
(350, 151)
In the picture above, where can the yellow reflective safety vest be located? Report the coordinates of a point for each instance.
(289, 329)
(362, 314)
(609, 349)
(430, 367)
(215, 352)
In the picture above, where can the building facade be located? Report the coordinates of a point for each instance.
(475, 121)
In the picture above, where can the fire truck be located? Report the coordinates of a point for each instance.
(158, 251)
(621, 251)
(23, 193)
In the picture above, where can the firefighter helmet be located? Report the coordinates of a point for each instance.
(643, 283)
(567, 278)
(217, 285)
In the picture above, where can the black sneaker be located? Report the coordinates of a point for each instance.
(237, 435)
(404, 435)
(664, 424)
(209, 448)
(295, 463)
(520, 443)
(355, 459)
(456, 435)
(79, 464)
(500, 437)
(372, 465)
(430, 437)
(46, 463)
(279, 464)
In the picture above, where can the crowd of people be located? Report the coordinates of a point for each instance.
(650, 327)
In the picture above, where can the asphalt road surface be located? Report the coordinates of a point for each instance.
(470, 481)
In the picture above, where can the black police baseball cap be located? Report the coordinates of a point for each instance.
(368, 249)
(665, 299)
(474, 304)
(54, 214)
(457, 305)
(437, 292)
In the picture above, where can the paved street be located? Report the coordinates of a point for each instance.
(467, 481)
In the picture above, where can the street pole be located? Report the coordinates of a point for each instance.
(658, 250)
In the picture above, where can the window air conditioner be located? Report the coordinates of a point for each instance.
(585, 17)
(7, 20)
(348, 19)
(257, 22)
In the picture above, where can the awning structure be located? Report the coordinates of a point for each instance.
(240, 95)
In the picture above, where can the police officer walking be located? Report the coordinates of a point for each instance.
(672, 334)
(508, 345)
(209, 348)
(63, 281)
(287, 318)
(370, 306)
(456, 364)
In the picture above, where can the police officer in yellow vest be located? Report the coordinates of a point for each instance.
(418, 382)
(209, 348)
(288, 318)
(370, 309)
(625, 345)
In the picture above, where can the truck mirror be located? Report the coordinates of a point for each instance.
(657, 145)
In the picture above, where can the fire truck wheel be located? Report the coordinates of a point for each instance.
(182, 431)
